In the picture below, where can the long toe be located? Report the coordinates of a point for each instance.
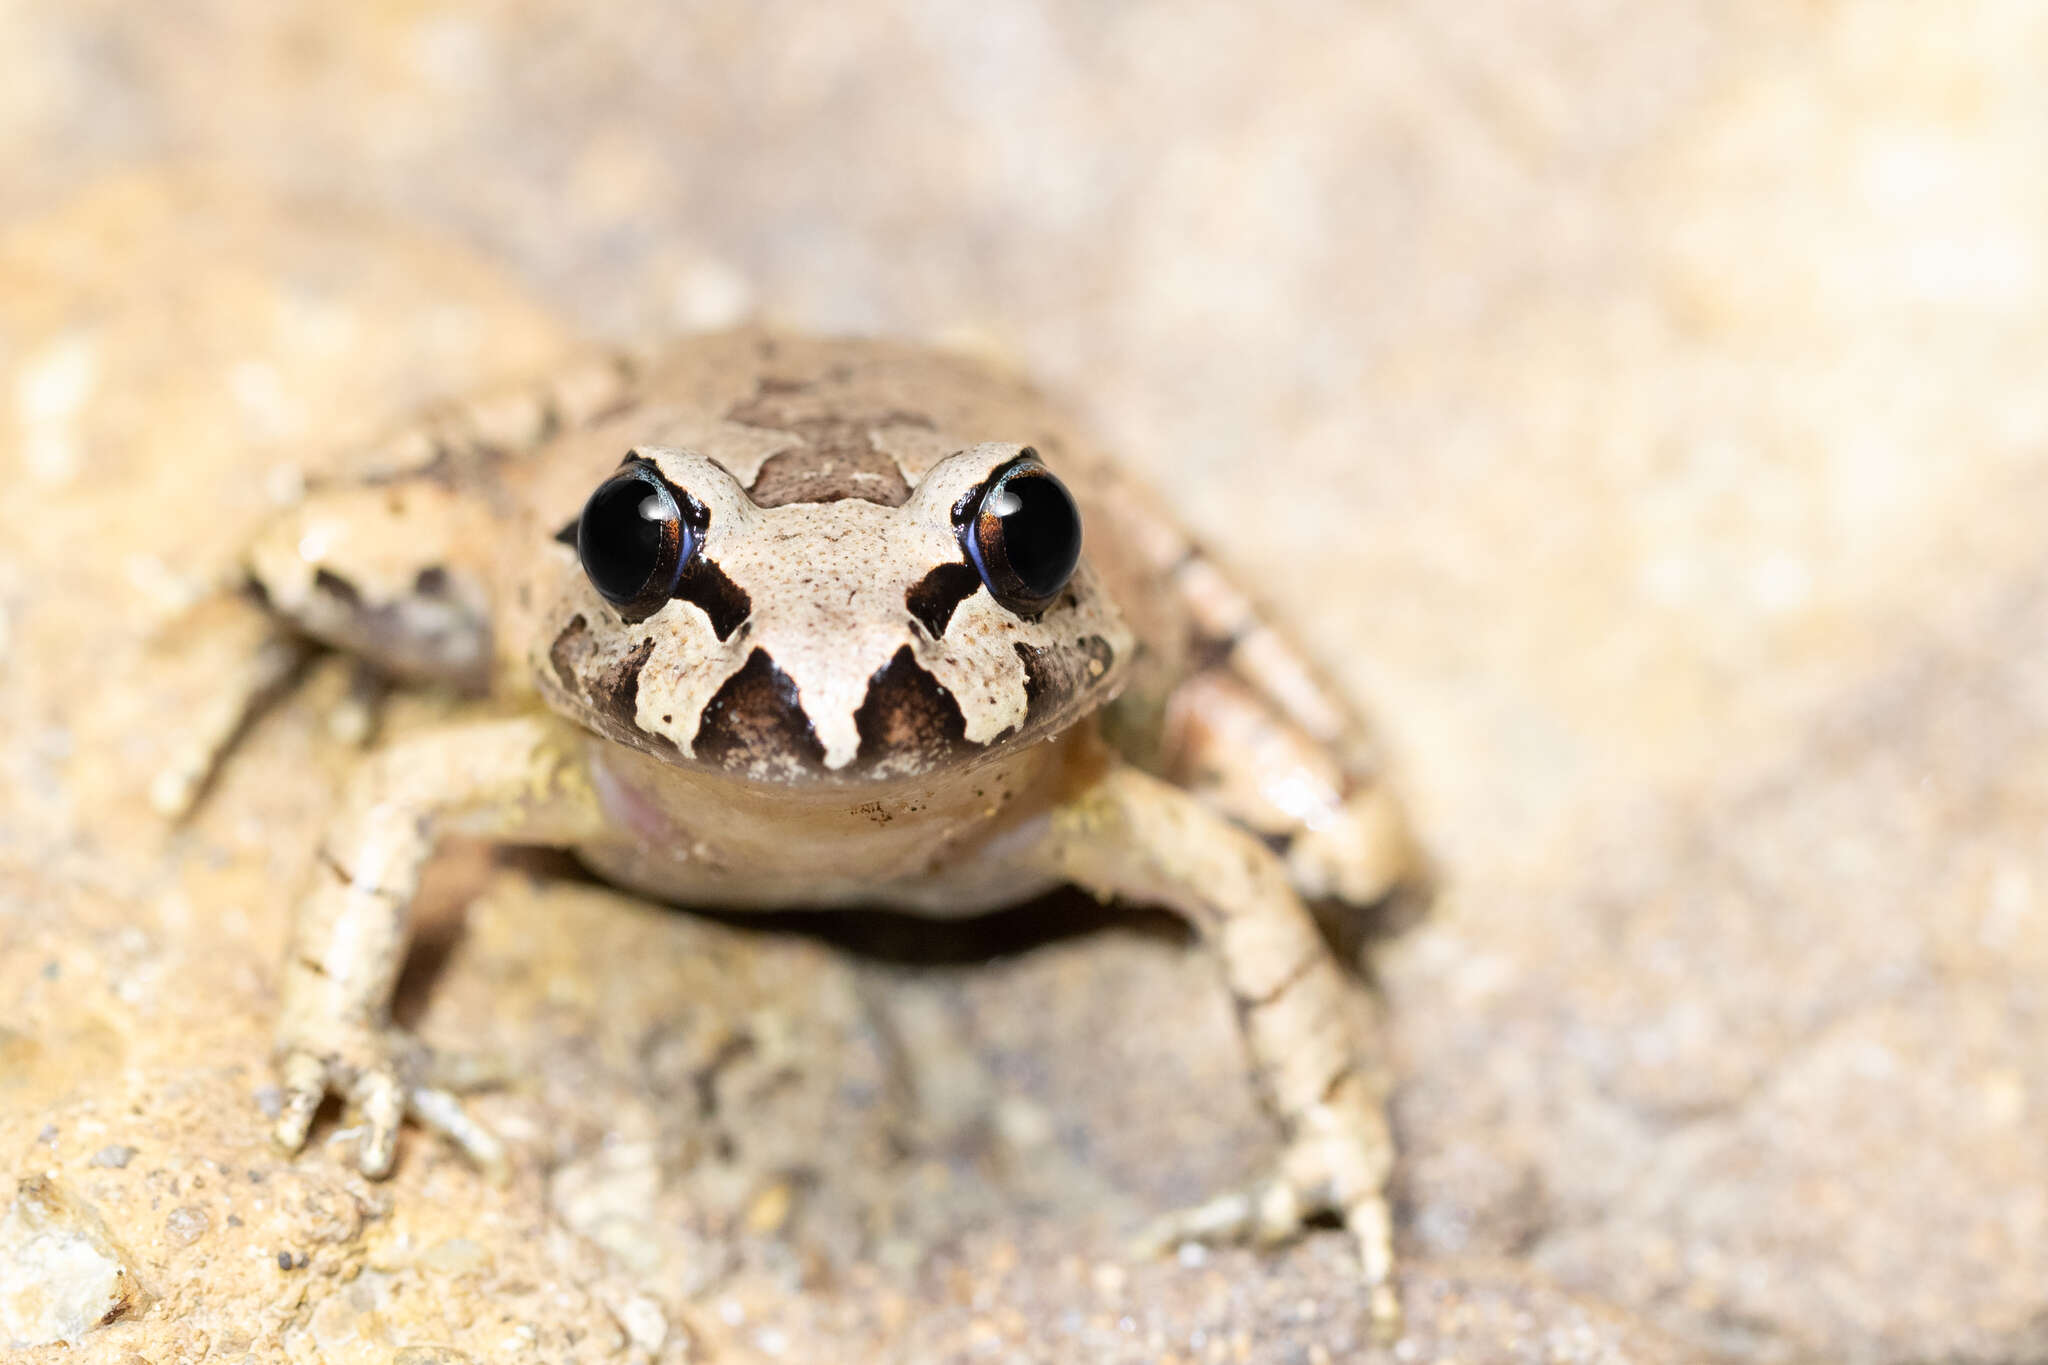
(1226, 1218)
(304, 1079)
(1371, 1223)
(443, 1112)
(382, 1102)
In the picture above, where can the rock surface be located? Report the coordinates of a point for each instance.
(64, 1275)
(1665, 379)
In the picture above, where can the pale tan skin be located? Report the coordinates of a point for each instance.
(1154, 740)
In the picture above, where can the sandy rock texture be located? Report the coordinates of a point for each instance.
(1638, 406)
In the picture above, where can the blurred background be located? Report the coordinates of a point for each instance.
(1637, 406)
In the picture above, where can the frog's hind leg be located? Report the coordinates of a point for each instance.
(389, 560)
(372, 571)
(1311, 1031)
(1333, 818)
(1252, 728)
(384, 560)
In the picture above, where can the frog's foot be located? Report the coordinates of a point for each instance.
(514, 779)
(1335, 1166)
(1360, 854)
(1311, 1038)
(385, 1076)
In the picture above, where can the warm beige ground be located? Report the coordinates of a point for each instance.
(1640, 404)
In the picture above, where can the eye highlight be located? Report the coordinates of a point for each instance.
(634, 539)
(1023, 534)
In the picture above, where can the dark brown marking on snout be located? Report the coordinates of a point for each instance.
(1052, 677)
(704, 585)
(612, 690)
(1040, 678)
(933, 598)
(908, 721)
(756, 725)
(568, 649)
(615, 695)
(431, 581)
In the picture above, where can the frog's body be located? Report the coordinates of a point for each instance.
(830, 698)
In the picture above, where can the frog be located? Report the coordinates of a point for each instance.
(760, 621)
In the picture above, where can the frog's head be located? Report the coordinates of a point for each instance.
(796, 637)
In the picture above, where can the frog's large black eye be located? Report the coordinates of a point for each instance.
(1024, 535)
(633, 540)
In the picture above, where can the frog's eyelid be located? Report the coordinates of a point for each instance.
(695, 514)
(969, 502)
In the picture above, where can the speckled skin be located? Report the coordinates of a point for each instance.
(831, 709)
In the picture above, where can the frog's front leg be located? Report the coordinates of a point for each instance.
(1310, 1031)
(518, 780)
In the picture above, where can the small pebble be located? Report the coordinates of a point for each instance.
(457, 1256)
(770, 1210)
(429, 1355)
(60, 1274)
(644, 1322)
(113, 1155)
(187, 1224)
